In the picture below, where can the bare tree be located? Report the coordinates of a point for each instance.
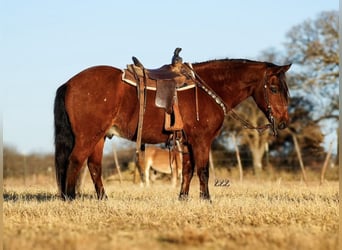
(313, 46)
(313, 49)
(307, 133)
(251, 137)
(256, 142)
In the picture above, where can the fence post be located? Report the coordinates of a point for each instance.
(25, 169)
(211, 163)
(299, 155)
(325, 164)
(238, 157)
(116, 162)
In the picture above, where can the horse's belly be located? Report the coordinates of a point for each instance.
(163, 168)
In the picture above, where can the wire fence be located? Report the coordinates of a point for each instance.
(26, 167)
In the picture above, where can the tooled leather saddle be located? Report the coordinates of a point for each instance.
(166, 81)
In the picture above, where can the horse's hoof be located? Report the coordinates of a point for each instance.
(183, 197)
(205, 197)
(103, 197)
(207, 200)
(69, 197)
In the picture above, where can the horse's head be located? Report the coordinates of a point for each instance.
(272, 96)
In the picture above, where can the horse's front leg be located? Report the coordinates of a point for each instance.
(187, 173)
(95, 169)
(202, 164)
(203, 174)
(146, 176)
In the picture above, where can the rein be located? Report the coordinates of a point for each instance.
(246, 124)
(262, 128)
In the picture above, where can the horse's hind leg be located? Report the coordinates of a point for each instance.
(76, 161)
(95, 169)
(80, 180)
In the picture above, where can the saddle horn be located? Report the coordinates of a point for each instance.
(177, 51)
(137, 62)
(176, 58)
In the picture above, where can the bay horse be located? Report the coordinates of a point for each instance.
(163, 161)
(96, 103)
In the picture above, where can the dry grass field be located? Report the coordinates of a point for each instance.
(248, 215)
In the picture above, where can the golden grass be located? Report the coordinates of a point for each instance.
(250, 215)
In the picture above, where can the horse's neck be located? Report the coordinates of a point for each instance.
(237, 95)
(232, 89)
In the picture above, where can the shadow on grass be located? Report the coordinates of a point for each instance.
(40, 197)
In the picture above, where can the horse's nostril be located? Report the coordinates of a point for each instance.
(282, 125)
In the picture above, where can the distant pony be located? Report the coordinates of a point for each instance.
(163, 161)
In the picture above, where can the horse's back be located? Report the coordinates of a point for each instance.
(101, 74)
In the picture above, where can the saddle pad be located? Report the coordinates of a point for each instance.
(166, 90)
(129, 78)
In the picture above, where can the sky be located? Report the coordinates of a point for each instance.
(44, 43)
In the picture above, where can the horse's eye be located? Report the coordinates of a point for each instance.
(274, 89)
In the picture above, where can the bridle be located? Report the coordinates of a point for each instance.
(269, 113)
(231, 112)
(269, 108)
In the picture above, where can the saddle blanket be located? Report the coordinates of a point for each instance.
(129, 78)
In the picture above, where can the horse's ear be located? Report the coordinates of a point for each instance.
(285, 68)
(275, 70)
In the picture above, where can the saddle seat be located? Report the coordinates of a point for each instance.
(181, 76)
(166, 72)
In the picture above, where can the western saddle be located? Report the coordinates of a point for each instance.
(165, 80)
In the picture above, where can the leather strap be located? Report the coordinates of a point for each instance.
(142, 103)
(247, 124)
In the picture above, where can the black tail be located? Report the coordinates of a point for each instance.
(64, 138)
